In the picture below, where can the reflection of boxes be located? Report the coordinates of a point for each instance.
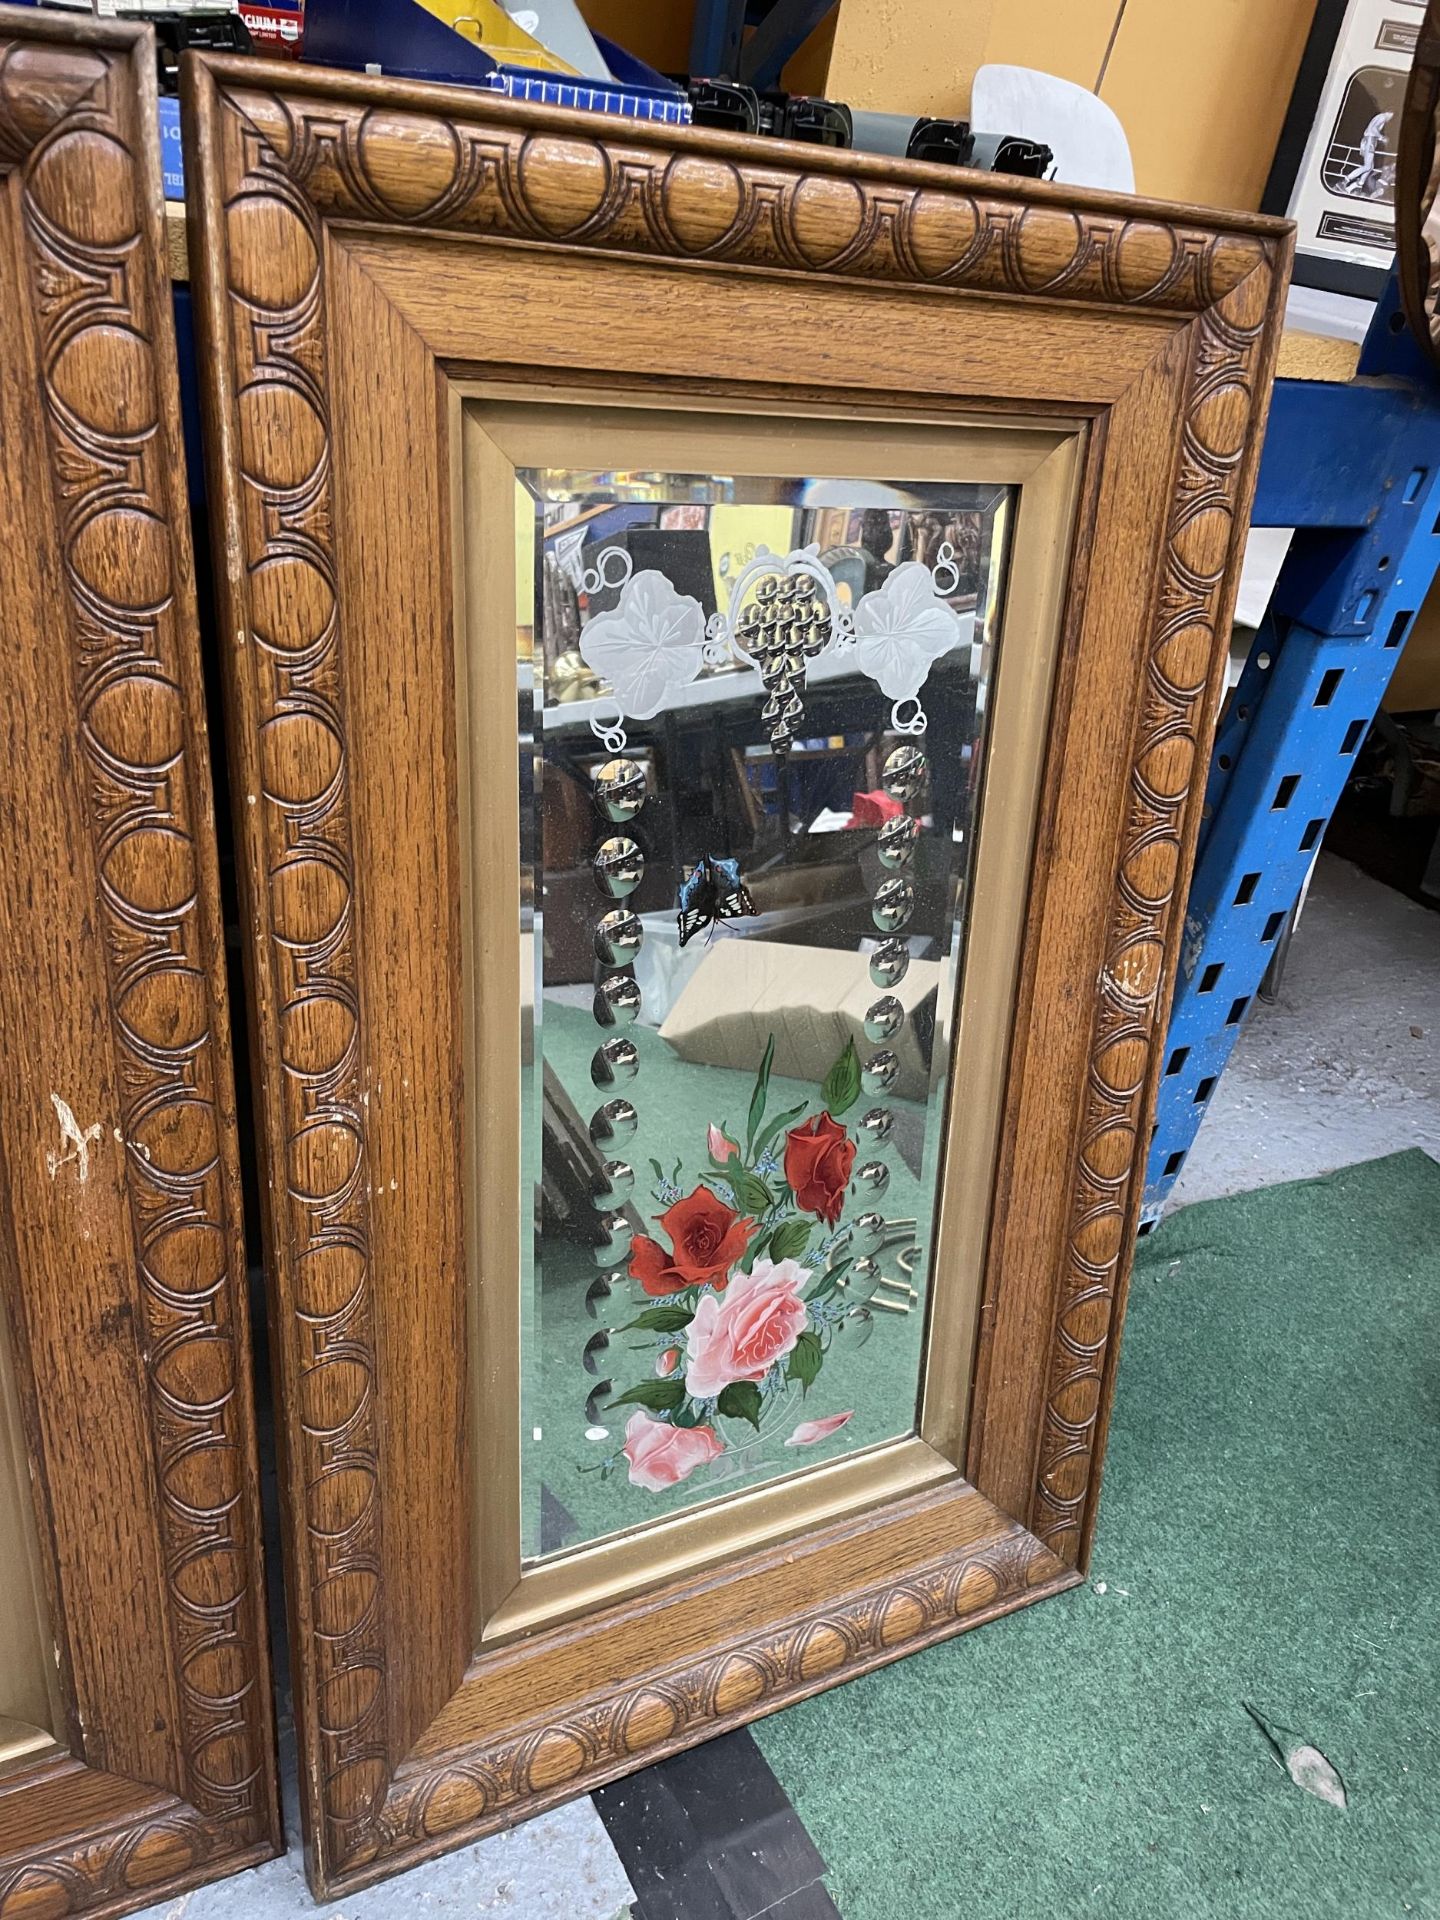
(812, 999)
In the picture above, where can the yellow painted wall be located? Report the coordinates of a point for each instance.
(1200, 86)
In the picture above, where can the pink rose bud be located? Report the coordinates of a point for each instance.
(720, 1147)
(809, 1431)
(668, 1361)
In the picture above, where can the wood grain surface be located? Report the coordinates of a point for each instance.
(359, 247)
(120, 1251)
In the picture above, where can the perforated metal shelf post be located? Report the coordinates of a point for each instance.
(1356, 469)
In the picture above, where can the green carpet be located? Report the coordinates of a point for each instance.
(1268, 1533)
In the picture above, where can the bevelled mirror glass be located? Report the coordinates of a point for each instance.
(756, 661)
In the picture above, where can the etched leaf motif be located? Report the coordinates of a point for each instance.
(648, 647)
(902, 629)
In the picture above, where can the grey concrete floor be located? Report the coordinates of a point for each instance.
(1345, 1066)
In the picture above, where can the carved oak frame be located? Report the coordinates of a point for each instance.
(361, 247)
(121, 1261)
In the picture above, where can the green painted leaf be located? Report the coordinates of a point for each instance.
(658, 1170)
(778, 1126)
(741, 1401)
(806, 1360)
(659, 1396)
(752, 1195)
(790, 1240)
(660, 1320)
(828, 1282)
(842, 1084)
(757, 1098)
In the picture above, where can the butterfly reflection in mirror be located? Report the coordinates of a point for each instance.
(711, 892)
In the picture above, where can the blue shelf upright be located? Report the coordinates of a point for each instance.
(1356, 470)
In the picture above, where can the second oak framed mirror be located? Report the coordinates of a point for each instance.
(721, 642)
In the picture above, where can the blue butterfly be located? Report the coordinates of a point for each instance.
(711, 892)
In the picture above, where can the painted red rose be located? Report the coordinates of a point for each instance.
(708, 1238)
(818, 1157)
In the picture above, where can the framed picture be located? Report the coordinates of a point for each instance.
(136, 1742)
(1336, 159)
(721, 638)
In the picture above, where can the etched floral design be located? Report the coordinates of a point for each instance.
(749, 1293)
(902, 629)
(649, 647)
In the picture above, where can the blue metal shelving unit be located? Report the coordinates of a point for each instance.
(1356, 469)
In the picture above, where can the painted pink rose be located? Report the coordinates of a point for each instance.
(662, 1456)
(810, 1432)
(721, 1146)
(667, 1363)
(741, 1336)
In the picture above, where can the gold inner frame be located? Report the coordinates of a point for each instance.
(30, 1705)
(494, 430)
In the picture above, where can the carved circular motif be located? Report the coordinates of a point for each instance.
(291, 604)
(556, 1756)
(457, 1798)
(575, 176)
(1201, 542)
(1220, 420)
(1145, 257)
(739, 1683)
(342, 1604)
(409, 160)
(327, 1279)
(35, 1895)
(1149, 869)
(332, 1393)
(308, 898)
(299, 758)
(168, 1009)
(224, 1760)
(105, 376)
(1184, 659)
(941, 230)
(1105, 1155)
(646, 1719)
(138, 721)
(271, 257)
(346, 1699)
(152, 870)
(82, 183)
(323, 1159)
(220, 1670)
(282, 437)
(213, 1579)
(901, 1620)
(1048, 242)
(340, 1500)
(1120, 1066)
(316, 1033)
(202, 1478)
(196, 1374)
(123, 555)
(178, 1138)
(160, 1852)
(1096, 1240)
(827, 217)
(701, 201)
(1164, 769)
(189, 1259)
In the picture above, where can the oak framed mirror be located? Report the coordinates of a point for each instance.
(136, 1737)
(721, 638)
